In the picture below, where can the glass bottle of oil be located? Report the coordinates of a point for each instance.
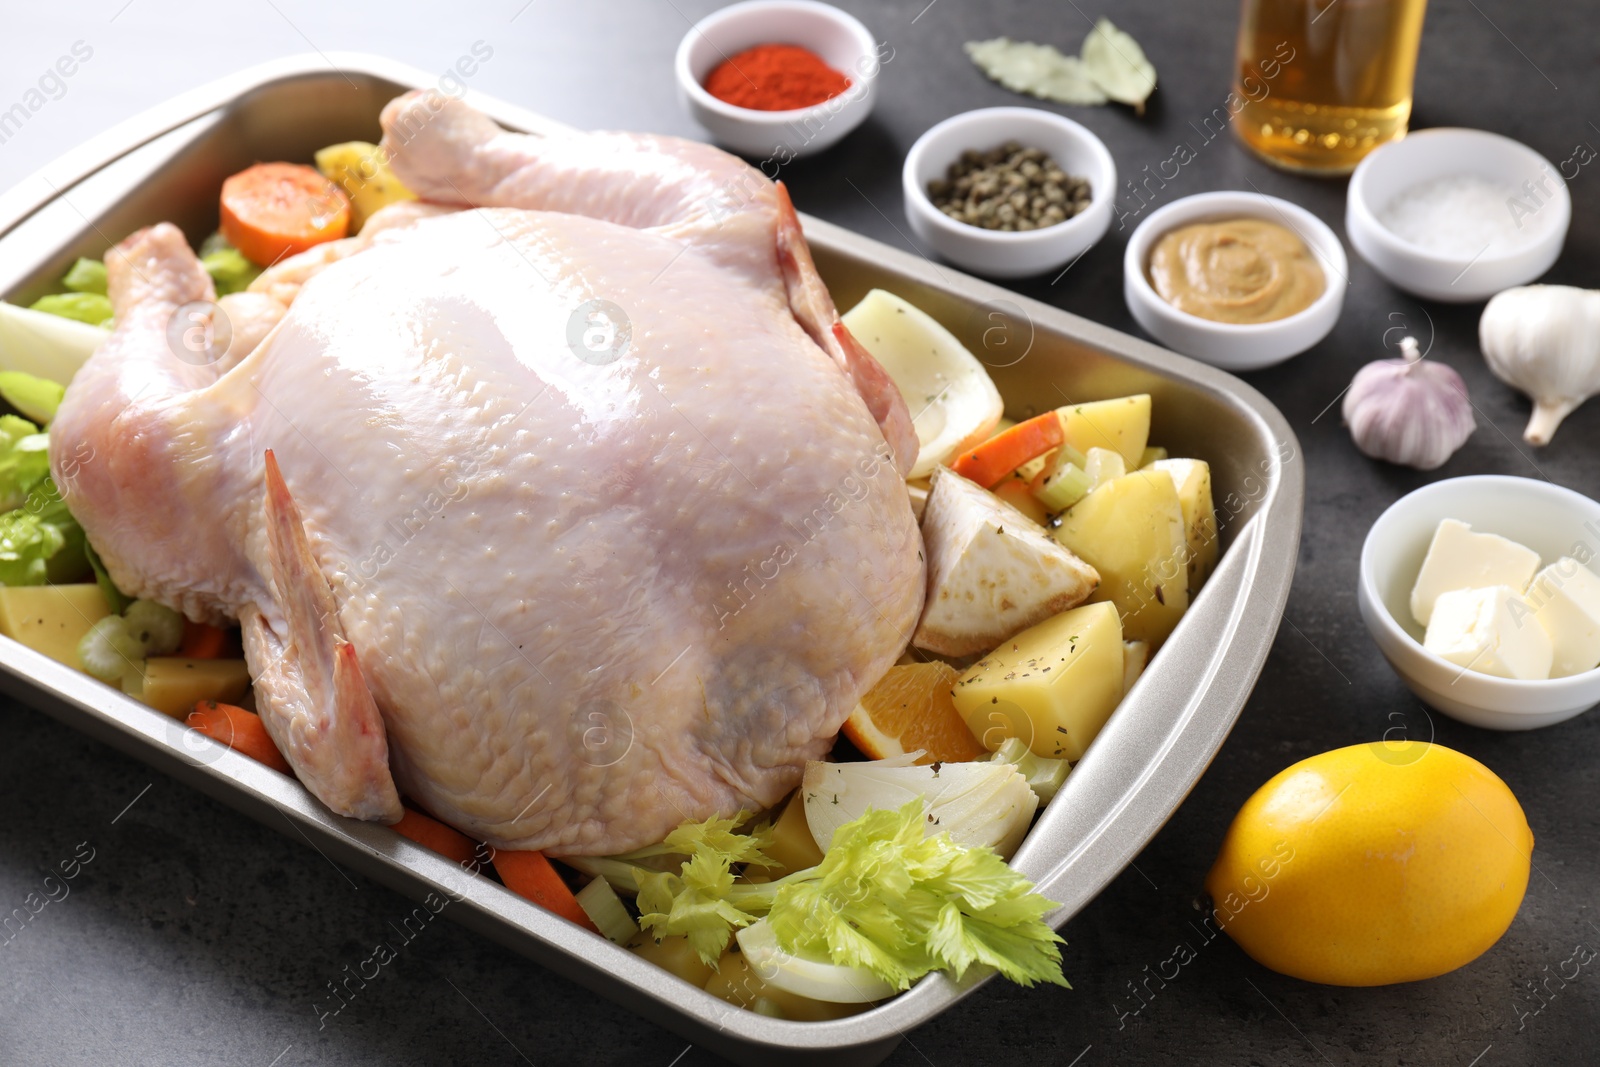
(1324, 82)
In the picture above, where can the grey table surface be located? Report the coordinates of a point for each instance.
(194, 936)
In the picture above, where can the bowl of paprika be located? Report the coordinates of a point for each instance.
(778, 79)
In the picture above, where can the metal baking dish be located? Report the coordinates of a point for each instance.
(169, 163)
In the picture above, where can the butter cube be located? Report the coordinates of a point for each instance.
(1461, 559)
(1566, 599)
(1493, 631)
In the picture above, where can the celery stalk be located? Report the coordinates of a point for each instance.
(1063, 487)
(605, 909)
(886, 897)
(1045, 776)
(86, 276)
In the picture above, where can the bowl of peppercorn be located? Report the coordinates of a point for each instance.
(775, 80)
(1009, 191)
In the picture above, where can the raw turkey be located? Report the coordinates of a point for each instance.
(560, 503)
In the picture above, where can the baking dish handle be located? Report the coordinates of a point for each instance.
(24, 200)
(55, 179)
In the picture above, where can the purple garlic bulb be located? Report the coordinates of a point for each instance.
(1408, 411)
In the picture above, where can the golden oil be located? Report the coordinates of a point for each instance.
(1345, 82)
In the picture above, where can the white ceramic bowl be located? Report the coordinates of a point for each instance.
(997, 253)
(1234, 346)
(1547, 518)
(1439, 153)
(780, 136)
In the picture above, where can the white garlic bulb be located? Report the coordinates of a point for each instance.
(1544, 340)
(1408, 411)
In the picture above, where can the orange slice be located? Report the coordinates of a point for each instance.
(911, 708)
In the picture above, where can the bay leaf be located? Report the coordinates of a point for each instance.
(1037, 69)
(1118, 65)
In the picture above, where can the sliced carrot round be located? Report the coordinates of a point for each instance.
(273, 210)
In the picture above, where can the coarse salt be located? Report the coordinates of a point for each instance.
(1460, 215)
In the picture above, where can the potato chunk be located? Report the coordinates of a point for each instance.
(992, 571)
(175, 684)
(1053, 685)
(1135, 654)
(1019, 494)
(362, 170)
(673, 955)
(1192, 479)
(1131, 531)
(1122, 425)
(51, 618)
(792, 844)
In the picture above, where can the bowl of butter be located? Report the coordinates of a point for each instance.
(1483, 593)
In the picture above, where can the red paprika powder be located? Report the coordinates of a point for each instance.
(775, 77)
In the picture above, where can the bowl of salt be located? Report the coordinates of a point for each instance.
(1456, 214)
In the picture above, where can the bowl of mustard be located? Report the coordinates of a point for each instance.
(1239, 280)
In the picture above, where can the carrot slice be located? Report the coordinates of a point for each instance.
(1010, 449)
(273, 210)
(429, 832)
(240, 730)
(529, 874)
(203, 641)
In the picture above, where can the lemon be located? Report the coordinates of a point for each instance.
(1373, 864)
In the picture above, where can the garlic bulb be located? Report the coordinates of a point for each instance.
(1408, 411)
(1544, 340)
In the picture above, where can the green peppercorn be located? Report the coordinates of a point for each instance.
(1010, 187)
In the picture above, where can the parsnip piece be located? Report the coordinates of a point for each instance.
(992, 571)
